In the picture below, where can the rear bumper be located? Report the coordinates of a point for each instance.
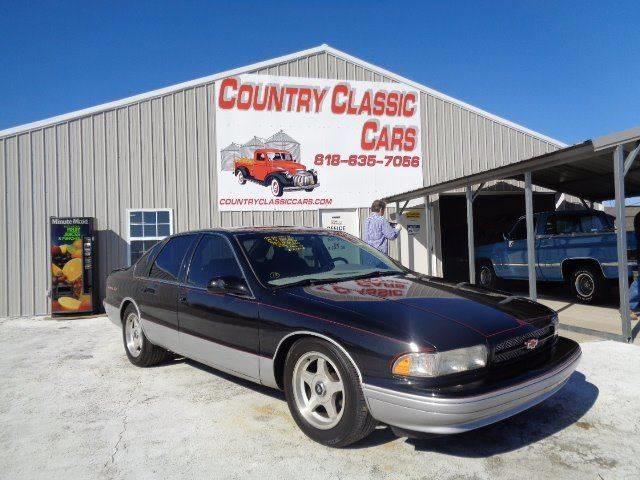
(455, 415)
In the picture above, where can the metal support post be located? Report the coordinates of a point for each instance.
(398, 240)
(470, 243)
(427, 223)
(531, 236)
(621, 234)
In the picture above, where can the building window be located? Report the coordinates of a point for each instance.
(145, 228)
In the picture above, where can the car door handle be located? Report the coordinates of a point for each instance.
(149, 290)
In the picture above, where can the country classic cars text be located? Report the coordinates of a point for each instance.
(343, 99)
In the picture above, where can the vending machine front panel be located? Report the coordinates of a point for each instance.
(72, 265)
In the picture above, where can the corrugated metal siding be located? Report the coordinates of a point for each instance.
(153, 153)
(160, 152)
(323, 65)
(459, 142)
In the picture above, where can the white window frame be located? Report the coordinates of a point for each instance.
(145, 239)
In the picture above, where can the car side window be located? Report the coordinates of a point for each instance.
(562, 225)
(592, 224)
(212, 258)
(519, 231)
(140, 268)
(168, 262)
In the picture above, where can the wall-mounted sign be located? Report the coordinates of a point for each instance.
(413, 229)
(412, 214)
(296, 143)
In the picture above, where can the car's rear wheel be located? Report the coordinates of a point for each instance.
(276, 187)
(587, 284)
(324, 394)
(140, 351)
(240, 177)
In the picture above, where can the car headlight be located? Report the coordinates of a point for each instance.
(286, 174)
(440, 363)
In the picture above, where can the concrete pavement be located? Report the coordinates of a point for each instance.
(72, 406)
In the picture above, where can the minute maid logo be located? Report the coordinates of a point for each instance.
(70, 221)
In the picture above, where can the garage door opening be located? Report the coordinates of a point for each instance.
(493, 215)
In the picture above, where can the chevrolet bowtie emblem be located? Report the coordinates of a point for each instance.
(531, 343)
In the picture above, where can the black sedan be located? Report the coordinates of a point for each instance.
(352, 337)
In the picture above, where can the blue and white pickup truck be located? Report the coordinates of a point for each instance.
(576, 247)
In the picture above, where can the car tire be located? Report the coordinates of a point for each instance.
(276, 186)
(334, 387)
(587, 284)
(140, 351)
(486, 276)
(308, 189)
(240, 177)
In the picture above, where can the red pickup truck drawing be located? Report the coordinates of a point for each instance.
(276, 169)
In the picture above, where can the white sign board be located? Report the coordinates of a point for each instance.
(341, 221)
(311, 143)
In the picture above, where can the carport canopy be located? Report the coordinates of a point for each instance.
(598, 169)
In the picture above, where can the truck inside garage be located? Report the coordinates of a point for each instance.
(494, 214)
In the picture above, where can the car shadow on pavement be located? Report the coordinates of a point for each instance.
(273, 393)
(556, 413)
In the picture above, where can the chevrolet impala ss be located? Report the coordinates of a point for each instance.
(353, 338)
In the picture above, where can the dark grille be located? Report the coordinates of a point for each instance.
(514, 348)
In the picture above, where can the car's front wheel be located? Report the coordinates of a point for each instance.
(324, 394)
(276, 187)
(140, 351)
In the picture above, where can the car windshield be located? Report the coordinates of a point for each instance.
(283, 259)
(280, 156)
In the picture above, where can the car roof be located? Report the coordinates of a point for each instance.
(569, 212)
(272, 150)
(279, 229)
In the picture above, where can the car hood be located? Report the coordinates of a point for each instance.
(291, 167)
(423, 310)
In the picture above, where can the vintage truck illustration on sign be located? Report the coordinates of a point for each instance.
(276, 169)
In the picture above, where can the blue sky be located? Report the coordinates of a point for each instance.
(566, 69)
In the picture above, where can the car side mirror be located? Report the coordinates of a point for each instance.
(228, 285)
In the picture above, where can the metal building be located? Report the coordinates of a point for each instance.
(158, 150)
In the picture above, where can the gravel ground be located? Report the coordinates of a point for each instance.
(72, 406)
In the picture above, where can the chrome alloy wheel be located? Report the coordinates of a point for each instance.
(584, 284)
(133, 334)
(318, 390)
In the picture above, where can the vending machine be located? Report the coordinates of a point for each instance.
(73, 266)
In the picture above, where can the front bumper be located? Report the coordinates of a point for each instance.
(441, 415)
(293, 188)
